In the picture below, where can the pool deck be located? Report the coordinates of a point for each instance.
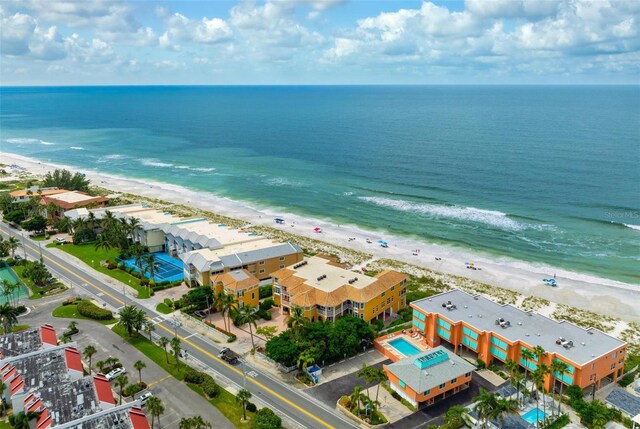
(415, 339)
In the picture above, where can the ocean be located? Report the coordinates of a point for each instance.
(542, 174)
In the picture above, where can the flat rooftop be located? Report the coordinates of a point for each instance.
(72, 197)
(430, 369)
(221, 233)
(125, 416)
(332, 277)
(528, 327)
(20, 343)
(43, 368)
(70, 401)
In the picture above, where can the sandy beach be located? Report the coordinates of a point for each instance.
(613, 298)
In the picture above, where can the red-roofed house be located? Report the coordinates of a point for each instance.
(104, 392)
(44, 420)
(74, 362)
(48, 336)
(138, 419)
(16, 386)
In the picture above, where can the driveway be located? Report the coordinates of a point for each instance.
(330, 392)
(179, 400)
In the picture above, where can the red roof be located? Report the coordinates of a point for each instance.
(138, 419)
(16, 385)
(73, 359)
(48, 335)
(103, 389)
(34, 407)
(9, 374)
(44, 421)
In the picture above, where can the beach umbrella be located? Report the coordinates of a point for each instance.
(316, 229)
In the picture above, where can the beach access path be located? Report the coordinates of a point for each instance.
(297, 407)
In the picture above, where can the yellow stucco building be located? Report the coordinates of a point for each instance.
(243, 285)
(326, 291)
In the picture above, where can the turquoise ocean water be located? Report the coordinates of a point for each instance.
(540, 174)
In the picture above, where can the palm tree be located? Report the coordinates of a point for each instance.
(13, 243)
(243, 397)
(248, 315)
(164, 342)
(296, 320)
(101, 365)
(380, 376)
(8, 289)
(148, 327)
(155, 408)
(150, 265)
(486, 405)
(122, 381)
(137, 251)
(22, 419)
(504, 407)
(537, 378)
(544, 370)
(139, 365)
(88, 353)
(103, 241)
(131, 319)
(456, 416)
(8, 317)
(355, 398)
(108, 221)
(528, 356)
(227, 303)
(367, 373)
(196, 422)
(72, 326)
(558, 368)
(131, 226)
(175, 347)
(512, 366)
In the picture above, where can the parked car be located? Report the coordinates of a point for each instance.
(144, 397)
(229, 356)
(60, 240)
(115, 372)
(201, 314)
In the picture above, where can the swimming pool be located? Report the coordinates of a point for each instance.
(534, 416)
(167, 268)
(404, 347)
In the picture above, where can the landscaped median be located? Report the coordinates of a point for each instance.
(93, 257)
(366, 415)
(224, 401)
(75, 308)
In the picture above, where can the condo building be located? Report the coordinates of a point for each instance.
(495, 332)
(325, 290)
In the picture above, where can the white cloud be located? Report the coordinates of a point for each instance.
(16, 32)
(180, 29)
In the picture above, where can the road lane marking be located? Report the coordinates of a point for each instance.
(203, 351)
(159, 381)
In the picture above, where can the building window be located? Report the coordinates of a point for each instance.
(392, 288)
(382, 305)
(362, 306)
(468, 374)
(442, 385)
(282, 258)
(426, 392)
(253, 295)
(262, 271)
(614, 355)
(454, 380)
(388, 301)
(261, 262)
(276, 289)
(281, 266)
(613, 365)
(361, 315)
(402, 384)
(383, 294)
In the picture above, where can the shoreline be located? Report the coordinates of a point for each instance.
(585, 291)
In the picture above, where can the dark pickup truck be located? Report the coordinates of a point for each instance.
(229, 356)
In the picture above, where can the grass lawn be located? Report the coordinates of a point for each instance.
(36, 292)
(71, 312)
(225, 402)
(17, 328)
(163, 308)
(92, 257)
(5, 425)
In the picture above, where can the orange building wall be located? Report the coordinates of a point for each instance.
(582, 376)
(419, 396)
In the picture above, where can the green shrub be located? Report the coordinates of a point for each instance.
(267, 304)
(266, 419)
(210, 387)
(132, 389)
(92, 311)
(195, 377)
(265, 291)
(251, 407)
(560, 422)
(627, 380)
(231, 338)
(10, 261)
(480, 364)
(21, 309)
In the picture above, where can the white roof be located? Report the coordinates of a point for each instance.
(336, 277)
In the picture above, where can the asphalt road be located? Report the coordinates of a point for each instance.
(283, 399)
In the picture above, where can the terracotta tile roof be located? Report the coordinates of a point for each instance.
(48, 335)
(236, 280)
(45, 420)
(74, 361)
(138, 419)
(103, 389)
(43, 193)
(70, 203)
(35, 405)
(9, 374)
(16, 385)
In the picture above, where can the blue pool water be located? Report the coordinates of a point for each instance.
(168, 268)
(534, 416)
(404, 347)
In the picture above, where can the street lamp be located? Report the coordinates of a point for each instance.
(40, 245)
(24, 247)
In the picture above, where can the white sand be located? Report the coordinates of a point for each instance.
(605, 296)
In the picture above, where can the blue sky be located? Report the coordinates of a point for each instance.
(116, 42)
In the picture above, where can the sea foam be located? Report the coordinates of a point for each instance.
(472, 214)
